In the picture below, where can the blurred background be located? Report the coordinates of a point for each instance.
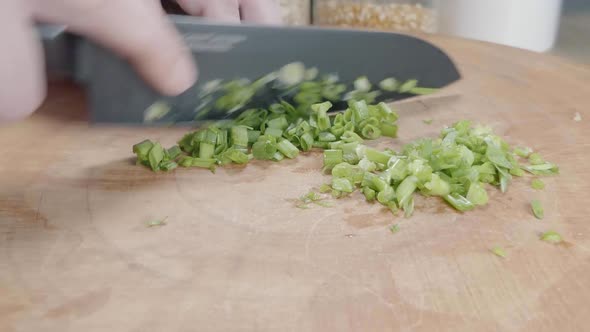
(560, 27)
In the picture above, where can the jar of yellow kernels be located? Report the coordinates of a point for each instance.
(412, 16)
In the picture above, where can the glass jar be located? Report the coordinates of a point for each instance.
(296, 12)
(397, 15)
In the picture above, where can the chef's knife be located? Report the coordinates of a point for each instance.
(244, 52)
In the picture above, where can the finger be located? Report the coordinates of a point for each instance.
(221, 10)
(22, 74)
(137, 30)
(261, 11)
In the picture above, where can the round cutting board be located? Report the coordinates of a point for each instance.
(237, 255)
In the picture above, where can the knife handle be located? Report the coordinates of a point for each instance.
(59, 48)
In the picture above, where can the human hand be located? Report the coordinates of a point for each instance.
(135, 29)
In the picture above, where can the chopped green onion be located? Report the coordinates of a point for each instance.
(371, 132)
(537, 208)
(428, 121)
(265, 148)
(206, 150)
(423, 91)
(157, 223)
(459, 202)
(536, 159)
(342, 185)
(287, 148)
(155, 156)
(326, 137)
(477, 194)
(275, 132)
(239, 136)
(388, 130)
(499, 251)
(369, 193)
(168, 165)
(332, 158)
(394, 228)
(538, 184)
(386, 195)
(389, 84)
(408, 86)
(523, 152)
(551, 237)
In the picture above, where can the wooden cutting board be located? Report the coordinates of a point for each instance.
(236, 255)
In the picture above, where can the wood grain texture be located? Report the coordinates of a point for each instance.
(236, 255)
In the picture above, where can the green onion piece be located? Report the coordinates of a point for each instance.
(459, 202)
(236, 156)
(386, 195)
(367, 165)
(323, 121)
(362, 84)
(389, 84)
(321, 145)
(206, 150)
(326, 137)
(265, 148)
(276, 132)
(343, 170)
(278, 156)
(537, 208)
(377, 156)
(523, 152)
(477, 194)
(142, 149)
(398, 169)
(280, 123)
(168, 165)
(342, 185)
(174, 152)
(497, 156)
(499, 251)
(360, 111)
(349, 152)
(428, 121)
(253, 135)
(306, 142)
(325, 188)
(394, 228)
(203, 163)
(408, 207)
(423, 91)
(378, 183)
(157, 223)
(388, 130)
(407, 86)
(542, 169)
(155, 156)
(538, 184)
(369, 193)
(437, 186)
(332, 158)
(536, 159)
(405, 189)
(210, 136)
(186, 161)
(287, 148)
(351, 136)
(517, 171)
(371, 132)
(551, 237)
(239, 136)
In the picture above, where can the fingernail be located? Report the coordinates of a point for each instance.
(183, 75)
